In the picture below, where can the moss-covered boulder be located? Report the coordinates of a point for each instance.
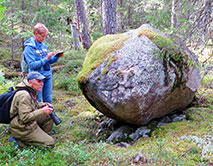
(138, 76)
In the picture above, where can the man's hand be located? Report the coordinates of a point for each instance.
(48, 104)
(49, 55)
(47, 110)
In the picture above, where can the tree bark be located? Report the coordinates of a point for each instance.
(81, 16)
(174, 15)
(129, 17)
(121, 15)
(23, 23)
(207, 18)
(37, 3)
(12, 36)
(109, 17)
(75, 36)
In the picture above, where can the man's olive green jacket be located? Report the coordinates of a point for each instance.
(25, 109)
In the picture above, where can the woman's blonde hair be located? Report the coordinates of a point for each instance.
(40, 28)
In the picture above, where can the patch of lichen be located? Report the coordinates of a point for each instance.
(99, 52)
(169, 52)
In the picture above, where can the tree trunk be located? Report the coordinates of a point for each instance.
(23, 23)
(12, 36)
(75, 36)
(81, 16)
(207, 18)
(60, 40)
(37, 4)
(109, 17)
(129, 17)
(174, 15)
(121, 21)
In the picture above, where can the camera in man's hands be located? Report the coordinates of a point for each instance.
(54, 117)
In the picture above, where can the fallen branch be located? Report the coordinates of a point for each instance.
(12, 74)
(9, 75)
(55, 68)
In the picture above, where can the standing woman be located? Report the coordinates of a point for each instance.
(39, 58)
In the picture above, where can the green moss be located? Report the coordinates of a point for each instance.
(130, 75)
(199, 114)
(169, 52)
(105, 71)
(111, 59)
(98, 78)
(99, 52)
(159, 40)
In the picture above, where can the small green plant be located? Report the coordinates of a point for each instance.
(195, 150)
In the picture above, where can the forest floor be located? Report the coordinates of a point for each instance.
(187, 142)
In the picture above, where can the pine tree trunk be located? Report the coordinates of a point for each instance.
(12, 36)
(75, 36)
(174, 15)
(81, 16)
(121, 21)
(23, 23)
(207, 20)
(37, 3)
(129, 17)
(109, 17)
(60, 40)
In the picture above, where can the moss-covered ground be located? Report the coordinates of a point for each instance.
(188, 142)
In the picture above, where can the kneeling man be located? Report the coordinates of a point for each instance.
(31, 124)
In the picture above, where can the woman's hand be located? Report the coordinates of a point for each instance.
(49, 55)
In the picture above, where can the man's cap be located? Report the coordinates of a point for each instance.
(35, 75)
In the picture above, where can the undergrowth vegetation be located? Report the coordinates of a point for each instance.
(187, 142)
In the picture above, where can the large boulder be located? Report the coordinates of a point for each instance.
(137, 76)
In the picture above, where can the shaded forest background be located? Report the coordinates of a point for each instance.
(69, 21)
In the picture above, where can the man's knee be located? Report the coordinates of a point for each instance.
(49, 142)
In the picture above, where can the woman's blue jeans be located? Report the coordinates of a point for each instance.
(46, 92)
